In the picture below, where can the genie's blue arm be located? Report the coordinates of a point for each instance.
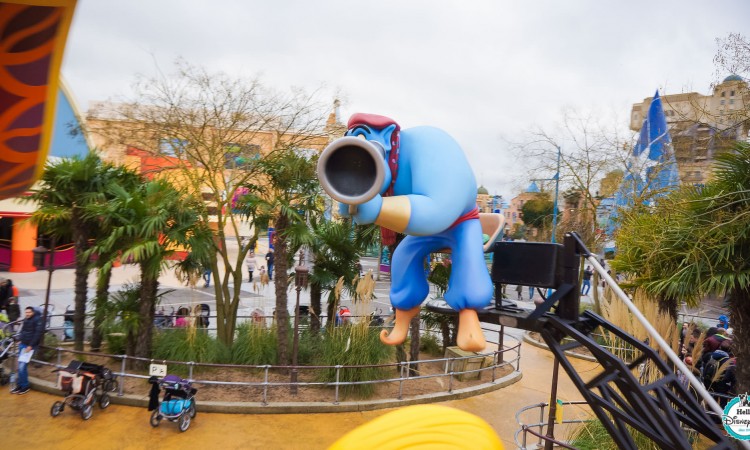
(435, 182)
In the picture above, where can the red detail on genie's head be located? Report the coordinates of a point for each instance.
(371, 120)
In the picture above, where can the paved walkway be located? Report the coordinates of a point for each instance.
(27, 422)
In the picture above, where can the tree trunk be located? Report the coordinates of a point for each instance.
(445, 328)
(315, 304)
(81, 283)
(739, 310)
(281, 282)
(146, 311)
(668, 305)
(102, 295)
(414, 347)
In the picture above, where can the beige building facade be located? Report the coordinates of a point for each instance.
(702, 126)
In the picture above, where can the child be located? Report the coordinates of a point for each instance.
(250, 262)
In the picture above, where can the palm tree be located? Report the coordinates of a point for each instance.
(292, 190)
(66, 189)
(154, 220)
(336, 248)
(699, 244)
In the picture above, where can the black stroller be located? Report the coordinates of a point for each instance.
(81, 382)
(178, 404)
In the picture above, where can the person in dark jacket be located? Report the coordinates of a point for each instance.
(269, 262)
(30, 336)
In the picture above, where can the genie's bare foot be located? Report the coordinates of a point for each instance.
(398, 334)
(470, 337)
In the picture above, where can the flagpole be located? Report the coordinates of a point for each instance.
(557, 188)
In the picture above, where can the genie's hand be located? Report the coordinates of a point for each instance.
(366, 212)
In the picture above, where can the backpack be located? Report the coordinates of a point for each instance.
(714, 364)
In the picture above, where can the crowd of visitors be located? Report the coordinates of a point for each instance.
(710, 354)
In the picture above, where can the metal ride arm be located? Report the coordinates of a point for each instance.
(616, 395)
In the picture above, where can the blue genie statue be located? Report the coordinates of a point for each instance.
(417, 182)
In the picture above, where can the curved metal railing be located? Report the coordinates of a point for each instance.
(508, 356)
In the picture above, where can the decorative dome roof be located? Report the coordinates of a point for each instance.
(533, 188)
(733, 77)
(482, 191)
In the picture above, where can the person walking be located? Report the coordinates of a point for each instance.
(269, 262)
(531, 293)
(250, 263)
(6, 292)
(206, 276)
(519, 289)
(586, 287)
(30, 336)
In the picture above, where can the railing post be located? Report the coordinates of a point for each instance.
(541, 424)
(450, 376)
(501, 343)
(121, 384)
(401, 380)
(336, 397)
(265, 385)
(494, 364)
(518, 357)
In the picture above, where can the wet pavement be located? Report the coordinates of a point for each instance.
(28, 423)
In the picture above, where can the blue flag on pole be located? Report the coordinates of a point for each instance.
(652, 170)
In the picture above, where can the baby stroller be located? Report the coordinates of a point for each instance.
(205, 314)
(68, 324)
(80, 382)
(178, 404)
(7, 339)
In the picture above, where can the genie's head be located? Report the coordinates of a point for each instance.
(382, 130)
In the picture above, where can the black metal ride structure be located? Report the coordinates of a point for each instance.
(660, 410)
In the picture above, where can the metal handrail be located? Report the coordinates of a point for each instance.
(404, 370)
(529, 428)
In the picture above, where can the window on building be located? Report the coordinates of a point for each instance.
(723, 93)
(731, 101)
(721, 102)
(172, 146)
(731, 93)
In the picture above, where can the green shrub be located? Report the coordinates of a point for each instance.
(115, 337)
(429, 343)
(592, 435)
(254, 345)
(48, 354)
(309, 346)
(189, 345)
(351, 346)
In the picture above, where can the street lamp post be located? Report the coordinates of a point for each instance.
(556, 179)
(300, 280)
(40, 256)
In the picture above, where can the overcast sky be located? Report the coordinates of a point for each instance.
(483, 70)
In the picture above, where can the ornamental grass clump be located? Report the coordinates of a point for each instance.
(189, 345)
(255, 345)
(355, 345)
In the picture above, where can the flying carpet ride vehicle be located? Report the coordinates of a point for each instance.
(33, 35)
(418, 182)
